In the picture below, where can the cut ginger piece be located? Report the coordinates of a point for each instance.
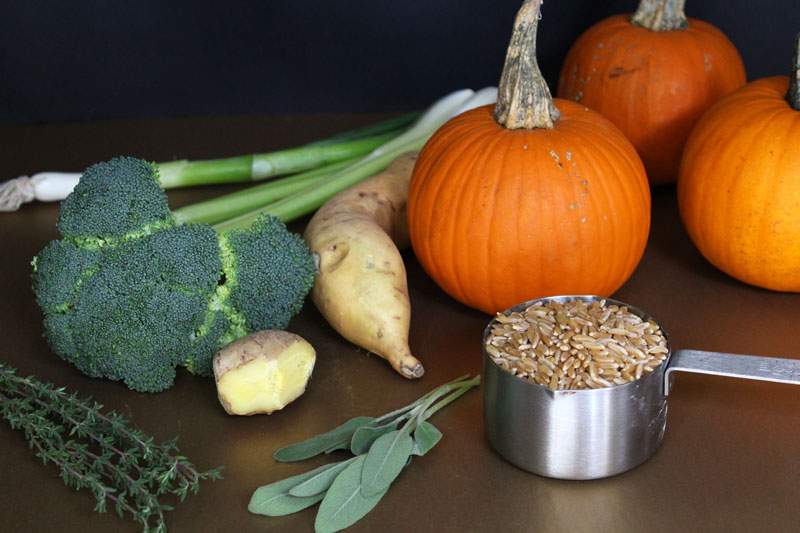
(262, 372)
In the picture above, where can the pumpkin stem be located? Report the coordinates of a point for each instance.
(661, 15)
(523, 98)
(793, 96)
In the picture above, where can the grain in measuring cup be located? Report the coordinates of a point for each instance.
(576, 344)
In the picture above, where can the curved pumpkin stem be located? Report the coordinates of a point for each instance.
(523, 97)
(661, 15)
(793, 96)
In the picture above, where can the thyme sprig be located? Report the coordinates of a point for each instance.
(99, 451)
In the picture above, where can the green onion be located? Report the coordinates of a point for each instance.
(379, 128)
(227, 206)
(257, 167)
(55, 186)
(321, 169)
(310, 198)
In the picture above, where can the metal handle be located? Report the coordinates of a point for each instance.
(733, 365)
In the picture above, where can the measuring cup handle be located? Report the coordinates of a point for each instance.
(732, 365)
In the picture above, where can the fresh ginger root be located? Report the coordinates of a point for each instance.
(262, 372)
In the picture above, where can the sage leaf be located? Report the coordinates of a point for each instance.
(324, 442)
(274, 499)
(320, 482)
(385, 460)
(269, 503)
(425, 437)
(365, 436)
(344, 503)
(342, 445)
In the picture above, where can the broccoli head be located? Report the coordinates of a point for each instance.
(128, 294)
(113, 200)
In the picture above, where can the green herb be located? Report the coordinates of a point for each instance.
(382, 447)
(345, 503)
(365, 436)
(385, 459)
(321, 443)
(425, 437)
(275, 500)
(99, 451)
(321, 481)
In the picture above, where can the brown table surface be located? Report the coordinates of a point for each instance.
(728, 461)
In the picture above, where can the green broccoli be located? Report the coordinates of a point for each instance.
(129, 294)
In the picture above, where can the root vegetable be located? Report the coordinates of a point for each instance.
(361, 287)
(262, 372)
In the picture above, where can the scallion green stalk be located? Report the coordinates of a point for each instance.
(55, 186)
(227, 206)
(307, 200)
(257, 167)
(231, 205)
(394, 124)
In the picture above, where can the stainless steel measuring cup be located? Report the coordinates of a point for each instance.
(596, 433)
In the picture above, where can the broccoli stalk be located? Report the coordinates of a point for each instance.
(128, 293)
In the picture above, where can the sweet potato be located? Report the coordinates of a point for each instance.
(361, 287)
(262, 372)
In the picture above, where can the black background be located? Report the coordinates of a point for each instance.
(80, 60)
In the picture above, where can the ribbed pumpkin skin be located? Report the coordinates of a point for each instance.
(500, 216)
(653, 85)
(739, 186)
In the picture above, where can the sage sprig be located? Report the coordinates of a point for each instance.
(325, 442)
(381, 447)
(98, 450)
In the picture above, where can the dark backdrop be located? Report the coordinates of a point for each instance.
(77, 60)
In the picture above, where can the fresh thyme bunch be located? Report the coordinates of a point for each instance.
(99, 451)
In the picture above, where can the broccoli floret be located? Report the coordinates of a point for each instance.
(60, 268)
(267, 272)
(114, 199)
(274, 272)
(144, 304)
(134, 295)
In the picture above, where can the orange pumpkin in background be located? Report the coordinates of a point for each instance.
(739, 183)
(653, 74)
(540, 198)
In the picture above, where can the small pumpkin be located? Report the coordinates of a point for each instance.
(653, 74)
(531, 197)
(739, 183)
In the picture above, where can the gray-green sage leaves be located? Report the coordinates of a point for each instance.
(382, 447)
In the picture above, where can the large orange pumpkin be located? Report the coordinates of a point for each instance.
(739, 183)
(652, 74)
(540, 198)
